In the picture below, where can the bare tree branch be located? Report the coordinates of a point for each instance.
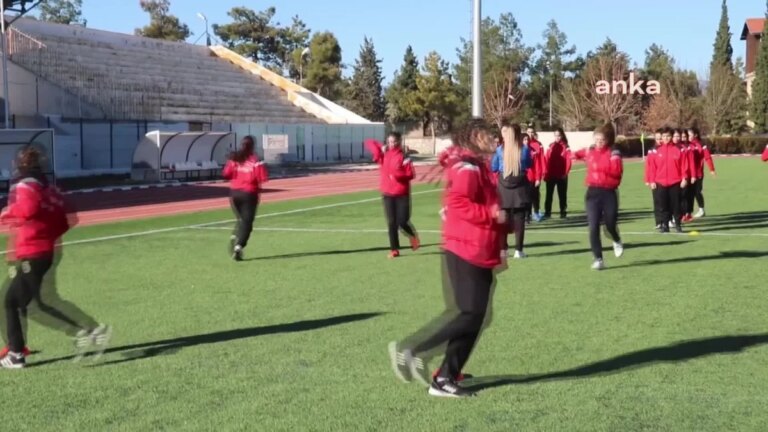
(614, 105)
(503, 98)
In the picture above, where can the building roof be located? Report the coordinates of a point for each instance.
(753, 26)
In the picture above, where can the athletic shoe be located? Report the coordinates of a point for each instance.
(537, 217)
(82, 342)
(415, 243)
(598, 265)
(687, 218)
(100, 338)
(418, 369)
(444, 387)
(393, 254)
(672, 223)
(618, 249)
(25, 351)
(460, 378)
(13, 360)
(237, 254)
(664, 228)
(232, 243)
(399, 360)
(563, 215)
(700, 213)
(678, 229)
(519, 255)
(657, 227)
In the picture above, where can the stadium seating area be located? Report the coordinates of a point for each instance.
(130, 77)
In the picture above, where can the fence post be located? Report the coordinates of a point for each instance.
(82, 147)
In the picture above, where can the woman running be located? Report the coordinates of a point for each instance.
(37, 216)
(511, 163)
(396, 175)
(472, 229)
(558, 165)
(246, 174)
(604, 172)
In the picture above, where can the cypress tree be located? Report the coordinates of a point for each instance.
(365, 95)
(723, 54)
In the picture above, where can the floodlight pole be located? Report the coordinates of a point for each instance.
(6, 95)
(477, 70)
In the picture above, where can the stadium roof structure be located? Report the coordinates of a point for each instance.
(160, 151)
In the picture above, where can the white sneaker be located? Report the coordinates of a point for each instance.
(519, 255)
(618, 249)
(598, 265)
(699, 214)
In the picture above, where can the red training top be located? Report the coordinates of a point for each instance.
(396, 169)
(670, 166)
(765, 154)
(649, 164)
(37, 215)
(700, 155)
(247, 176)
(604, 167)
(470, 203)
(557, 161)
(536, 172)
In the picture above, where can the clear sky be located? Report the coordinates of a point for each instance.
(686, 28)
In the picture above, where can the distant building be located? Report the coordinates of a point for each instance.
(752, 33)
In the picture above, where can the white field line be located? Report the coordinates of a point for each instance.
(209, 224)
(532, 231)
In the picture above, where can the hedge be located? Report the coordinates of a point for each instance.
(632, 147)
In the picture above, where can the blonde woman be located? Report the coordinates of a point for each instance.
(511, 163)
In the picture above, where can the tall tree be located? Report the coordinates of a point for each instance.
(724, 101)
(403, 85)
(723, 54)
(162, 25)
(436, 97)
(323, 72)
(570, 107)
(256, 36)
(759, 103)
(608, 65)
(62, 11)
(364, 95)
(659, 64)
(556, 62)
(503, 52)
(503, 98)
(678, 102)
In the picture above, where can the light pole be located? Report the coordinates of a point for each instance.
(304, 53)
(6, 95)
(207, 34)
(477, 71)
(549, 69)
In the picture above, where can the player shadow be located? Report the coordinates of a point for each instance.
(171, 346)
(731, 222)
(677, 352)
(330, 252)
(718, 256)
(627, 246)
(579, 220)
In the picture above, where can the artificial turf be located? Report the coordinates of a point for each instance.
(672, 336)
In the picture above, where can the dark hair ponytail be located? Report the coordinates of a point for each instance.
(245, 151)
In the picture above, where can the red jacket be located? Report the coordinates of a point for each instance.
(604, 167)
(649, 164)
(557, 161)
(536, 173)
(247, 176)
(700, 154)
(37, 215)
(670, 166)
(470, 201)
(765, 154)
(396, 169)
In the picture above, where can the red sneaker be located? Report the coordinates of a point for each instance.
(460, 378)
(687, 218)
(394, 254)
(415, 243)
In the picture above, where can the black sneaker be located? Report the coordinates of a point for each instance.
(678, 229)
(237, 254)
(444, 387)
(399, 360)
(13, 360)
(664, 228)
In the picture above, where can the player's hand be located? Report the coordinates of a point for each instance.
(653, 186)
(712, 173)
(684, 183)
(693, 180)
(538, 183)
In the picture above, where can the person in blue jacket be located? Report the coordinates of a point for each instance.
(511, 162)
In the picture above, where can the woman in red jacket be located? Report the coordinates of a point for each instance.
(472, 229)
(37, 216)
(246, 174)
(604, 172)
(700, 155)
(764, 156)
(535, 174)
(558, 166)
(396, 175)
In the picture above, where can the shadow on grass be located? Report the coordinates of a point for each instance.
(627, 246)
(329, 252)
(673, 353)
(171, 346)
(681, 260)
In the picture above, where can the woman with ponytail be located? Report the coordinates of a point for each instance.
(511, 163)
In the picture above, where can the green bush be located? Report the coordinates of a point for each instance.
(750, 144)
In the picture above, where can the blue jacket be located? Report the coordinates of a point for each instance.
(497, 163)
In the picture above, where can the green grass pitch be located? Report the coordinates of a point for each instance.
(671, 337)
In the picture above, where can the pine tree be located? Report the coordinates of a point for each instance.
(62, 11)
(364, 95)
(759, 105)
(723, 55)
(162, 24)
(402, 85)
